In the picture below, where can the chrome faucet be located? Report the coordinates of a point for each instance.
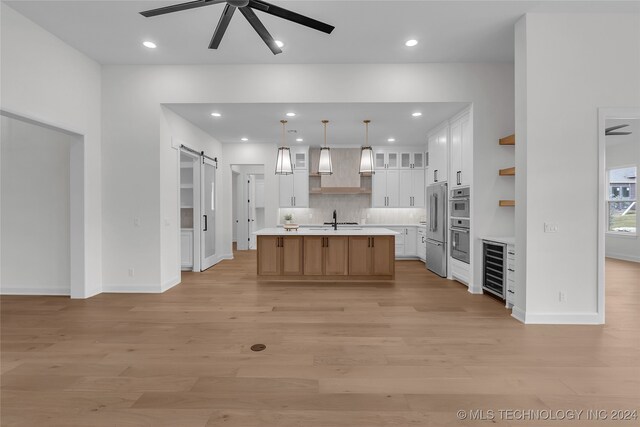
(335, 220)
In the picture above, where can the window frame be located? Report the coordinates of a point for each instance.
(609, 200)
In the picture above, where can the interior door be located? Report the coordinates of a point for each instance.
(251, 214)
(208, 211)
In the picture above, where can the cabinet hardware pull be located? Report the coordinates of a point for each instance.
(435, 175)
(459, 178)
(206, 225)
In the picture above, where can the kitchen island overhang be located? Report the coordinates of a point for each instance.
(325, 254)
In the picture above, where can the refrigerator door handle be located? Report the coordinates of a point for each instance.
(435, 220)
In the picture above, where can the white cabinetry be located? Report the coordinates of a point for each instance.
(412, 188)
(294, 189)
(386, 184)
(421, 243)
(406, 241)
(438, 158)
(461, 152)
(186, 249)
(412, 160)
(386, 160)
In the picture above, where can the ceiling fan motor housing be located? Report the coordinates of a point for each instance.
(238, 3)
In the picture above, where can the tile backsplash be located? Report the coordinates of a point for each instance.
(350, 208)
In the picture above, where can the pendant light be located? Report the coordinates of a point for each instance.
(283, 161)
(325, 167)
(366, 155)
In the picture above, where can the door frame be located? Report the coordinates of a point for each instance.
(605, 114)
(196, 209)
(204, 161)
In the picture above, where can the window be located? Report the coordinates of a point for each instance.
(621, 200)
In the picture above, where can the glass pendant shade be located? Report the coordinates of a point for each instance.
(366, 160)
(283, 161)
(325, 167)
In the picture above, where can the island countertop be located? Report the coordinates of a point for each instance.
(324, 231)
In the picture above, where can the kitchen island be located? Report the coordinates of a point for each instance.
(348, 253)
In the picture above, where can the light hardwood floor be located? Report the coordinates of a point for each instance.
(407, 353)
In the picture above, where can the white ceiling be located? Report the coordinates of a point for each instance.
(260, 123)
(366, 31)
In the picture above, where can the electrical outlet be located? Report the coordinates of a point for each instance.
(551, 228)
(562, 296)
(132, 272)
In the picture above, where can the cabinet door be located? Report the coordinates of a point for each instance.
(467, 151)
(379, 189)
(359, 256)
(393, 188)
(393, 161)
(383, 258)
(186, 248)
(456, 154)
(406, 193)
(432, 154)
(336, 256)
(313, 255)
(410, 241)
(442, 154)
(292, 256)
(381, 160)
(418, 160)
(405, 161)
(299, 159)
(269, 256)
(301, 188)
(286, 191)
(418, 188)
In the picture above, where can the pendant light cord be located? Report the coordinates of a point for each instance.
(366, 133)
(284, 123)
(325, 131)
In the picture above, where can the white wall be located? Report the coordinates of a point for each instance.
(619, 154)
(241, 197)
(35, 209)
(44, 79)
(564, 81)
(131, 105)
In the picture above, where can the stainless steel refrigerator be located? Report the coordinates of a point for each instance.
(437, 228)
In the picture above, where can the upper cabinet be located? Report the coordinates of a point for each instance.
(412, 188)
(412, 160)
(294, 189)
(438, 159)
(386, 160)
(300, 157)
(385, 186)
(461, 152)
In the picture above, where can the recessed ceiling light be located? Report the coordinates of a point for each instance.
(216, 114)
(417, 114)
(291, 114)
(411, 43)
(150, 45)
(279, 44)
(391, 140)
(299, 139)
(244, 139)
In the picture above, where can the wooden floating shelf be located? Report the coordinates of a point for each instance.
(340, 190)
(507, 172)
(508, 140)
(505, 203)
(314, 175)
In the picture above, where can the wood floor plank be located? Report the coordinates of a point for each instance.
(411, 352)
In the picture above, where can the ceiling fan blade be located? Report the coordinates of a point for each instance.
(617, 133)
(179, 7)
(274, 10)
(223, 23)
(260, 29)
(609, 129)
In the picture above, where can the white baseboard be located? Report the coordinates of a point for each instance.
(224, 257)
(170, 283)
(475, 290)
(623, 257)
(560, 318)
(34, 290)
(518, 314)
(134, 288)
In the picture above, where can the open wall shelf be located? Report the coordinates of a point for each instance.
(508, 140)
(507, 203)
(507, 172)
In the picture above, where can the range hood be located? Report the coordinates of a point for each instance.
(346, 177)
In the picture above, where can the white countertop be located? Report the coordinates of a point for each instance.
(326, 231)
(506, 240)
(359, 225)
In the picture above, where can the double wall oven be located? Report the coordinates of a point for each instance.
(460, 224)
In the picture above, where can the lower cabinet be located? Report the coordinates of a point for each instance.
(371, 256)
(326, 256)
(186, 249)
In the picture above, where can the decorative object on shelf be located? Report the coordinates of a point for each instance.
(246, 8)
(291, 227)
(283, 161)
(366, 154)
(325, 167)
(288, 218)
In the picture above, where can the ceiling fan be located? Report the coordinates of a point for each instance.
(246, 8)
(611, 130)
